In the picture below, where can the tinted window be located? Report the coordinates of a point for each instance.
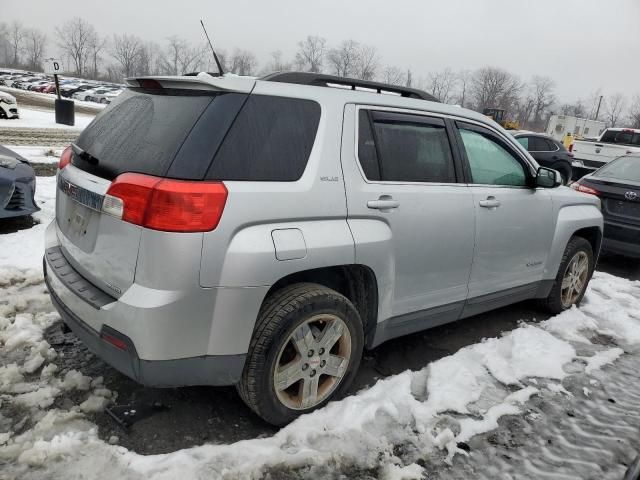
(140, 132)
(624, 137)
(537, 144)
(524, 141)
(411, 149)
(490, 162)
(626, 168)
(270, 140)
(366, 147)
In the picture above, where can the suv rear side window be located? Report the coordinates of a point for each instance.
(270, 140)
(404, 148)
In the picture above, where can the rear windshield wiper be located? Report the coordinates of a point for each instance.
(86, 156)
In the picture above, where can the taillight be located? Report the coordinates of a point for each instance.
(571, 147)
(166, 204)
(65, 158)
(584, 189)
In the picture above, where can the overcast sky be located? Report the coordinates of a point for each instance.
(583, 44)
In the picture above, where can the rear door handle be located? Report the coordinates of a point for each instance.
(490, 202)
(385, 202)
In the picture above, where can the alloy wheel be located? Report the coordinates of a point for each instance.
(312, 362)
(575, 279)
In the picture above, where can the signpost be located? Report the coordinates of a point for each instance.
(64, 108)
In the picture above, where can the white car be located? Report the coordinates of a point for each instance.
(8, 106)
(88, 95)
(107, 97)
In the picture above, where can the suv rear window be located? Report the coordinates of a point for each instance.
(271, 140)
(141, 132)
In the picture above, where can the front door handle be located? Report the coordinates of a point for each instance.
(385, 202)
(490, 202)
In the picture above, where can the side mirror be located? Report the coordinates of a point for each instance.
(548, 178)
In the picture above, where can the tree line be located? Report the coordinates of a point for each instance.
(88, 54)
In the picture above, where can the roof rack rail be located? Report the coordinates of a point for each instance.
(323, 80)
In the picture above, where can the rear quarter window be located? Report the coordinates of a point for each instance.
(270, 140)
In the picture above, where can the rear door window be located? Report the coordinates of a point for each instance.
(404, 148)
(270, 140)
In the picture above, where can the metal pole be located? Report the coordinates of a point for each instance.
(598, 110)
(55, 79)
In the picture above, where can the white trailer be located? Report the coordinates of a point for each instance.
(561, 125)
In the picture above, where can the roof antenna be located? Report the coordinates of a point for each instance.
(220, 71)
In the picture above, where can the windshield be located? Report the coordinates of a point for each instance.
(624, 168)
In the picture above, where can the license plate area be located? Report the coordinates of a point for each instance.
(624, 208)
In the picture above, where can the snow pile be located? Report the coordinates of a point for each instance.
(438, 407)
(36, 118)
(38, 154)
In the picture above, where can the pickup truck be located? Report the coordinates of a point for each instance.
(589, 155)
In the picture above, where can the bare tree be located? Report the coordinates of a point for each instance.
(5, 44)
(75, 37)
(243, 62)
(367, 63)
(310, 55)
(613, 108)
(393, 76)
(34, 45)
(493, 87)
(342, 60)
(464, 77)
(16, 38)
(441, 84)
(276, 64)
(97, 45)
(542, 93)
(126, 51)
(181, 57)
(576, 109)
(634, 112)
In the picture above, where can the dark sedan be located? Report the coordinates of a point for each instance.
(17, 185)
(548, 152)
(618, 186)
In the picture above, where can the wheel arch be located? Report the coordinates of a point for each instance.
(356, 282)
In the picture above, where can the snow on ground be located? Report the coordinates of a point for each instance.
(434, 409)
(37, 154)
(34, 118)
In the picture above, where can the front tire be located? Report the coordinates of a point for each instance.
(305, 351)
(576, 269)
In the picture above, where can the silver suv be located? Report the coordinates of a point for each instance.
(262, 233)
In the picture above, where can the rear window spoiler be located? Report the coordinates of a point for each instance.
(201, 81)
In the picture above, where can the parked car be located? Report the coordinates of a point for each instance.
(548, 152)
(17, 185)
(8, 106)
(90, 95)
(617, 184)
(106, 97)
(590, 155)
(262, 233)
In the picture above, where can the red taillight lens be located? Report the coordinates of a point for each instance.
(65, 158)
(166, 204)
(115, 341)
(584, 189)
(571, 147)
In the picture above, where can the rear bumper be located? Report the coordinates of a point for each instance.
(204, 370)
(621, 239)
(196, 336)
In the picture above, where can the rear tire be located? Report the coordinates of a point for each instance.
(576, 269)
(288, 372)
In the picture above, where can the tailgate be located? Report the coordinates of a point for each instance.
(100, 247)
